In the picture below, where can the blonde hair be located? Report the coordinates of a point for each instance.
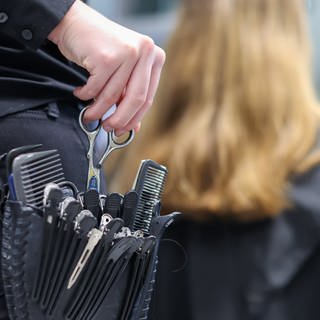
(236, 114)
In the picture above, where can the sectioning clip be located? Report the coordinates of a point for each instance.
(94, 238)
(85, 221)
(105, 220)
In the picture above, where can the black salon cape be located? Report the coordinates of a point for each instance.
(267, 270)
(32, 70)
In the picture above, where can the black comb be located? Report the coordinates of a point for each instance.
(32, 172)
(13, 153)
(149, 185)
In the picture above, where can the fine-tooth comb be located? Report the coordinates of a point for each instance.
(32, 172)
(149, 185)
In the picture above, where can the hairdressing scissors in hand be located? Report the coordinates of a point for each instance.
(93, 181)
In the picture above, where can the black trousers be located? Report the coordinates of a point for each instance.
(55, 126)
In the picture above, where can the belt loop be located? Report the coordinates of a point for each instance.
(53, 110)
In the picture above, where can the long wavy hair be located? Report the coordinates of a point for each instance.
(236, 115)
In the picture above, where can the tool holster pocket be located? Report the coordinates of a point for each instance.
(116, 283)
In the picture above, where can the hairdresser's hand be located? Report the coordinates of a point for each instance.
(124, 66)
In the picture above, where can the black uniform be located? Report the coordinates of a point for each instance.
(266, 270)
(37, 104)
(36, 88)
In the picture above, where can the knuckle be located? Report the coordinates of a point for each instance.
(88, 64)
(147, 44)
(132, 51)
(139, 99)
(105, 58)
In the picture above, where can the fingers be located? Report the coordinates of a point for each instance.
(137, 127)
(139, 93)
(135, 121)
(100, 70)
(110, 93)
(121, 62)
(135, 94)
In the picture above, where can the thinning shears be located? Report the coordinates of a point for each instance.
(93, 180)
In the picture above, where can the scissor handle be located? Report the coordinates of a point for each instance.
(115, 144)
(89, 132)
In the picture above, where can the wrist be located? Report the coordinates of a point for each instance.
(57, 34)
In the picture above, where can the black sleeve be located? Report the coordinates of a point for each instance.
(30, 21)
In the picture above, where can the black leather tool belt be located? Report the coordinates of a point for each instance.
(77, 256)
(115, 283)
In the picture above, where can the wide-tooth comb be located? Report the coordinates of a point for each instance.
(32, 172)
(149, 185)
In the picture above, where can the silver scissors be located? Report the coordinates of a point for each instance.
(93, 180)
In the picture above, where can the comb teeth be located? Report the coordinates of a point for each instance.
(33, 171)
(149, 185)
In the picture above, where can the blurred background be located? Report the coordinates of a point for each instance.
(314, 22)
(156, 18)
